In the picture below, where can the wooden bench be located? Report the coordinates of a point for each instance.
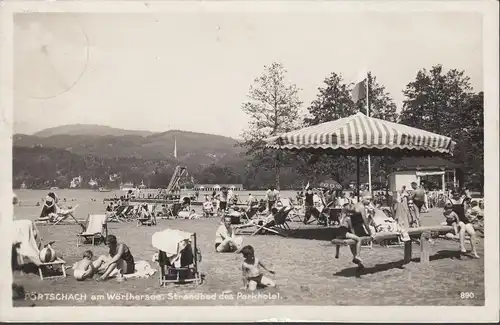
(423, 232)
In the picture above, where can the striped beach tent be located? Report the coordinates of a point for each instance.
(359, 134)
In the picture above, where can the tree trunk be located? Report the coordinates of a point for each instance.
(277, 170)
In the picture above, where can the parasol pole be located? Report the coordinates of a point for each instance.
(357, 176)
(368, 114)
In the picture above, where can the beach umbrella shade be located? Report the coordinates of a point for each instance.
(361, 135)
(331, 184)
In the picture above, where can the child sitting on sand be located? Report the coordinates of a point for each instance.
(451, 218)
(86, 269)
(252, 275)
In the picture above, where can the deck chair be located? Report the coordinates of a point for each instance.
(96, 228)
(126, 213)
(277, 225)
(27, 244)
(178, 256)
(113, 215)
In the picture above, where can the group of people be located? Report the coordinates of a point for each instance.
(51, 210)
(118, 262)
(461, 213)
(360, 220)
(226, 241)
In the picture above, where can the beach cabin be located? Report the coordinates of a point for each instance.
(413, 169)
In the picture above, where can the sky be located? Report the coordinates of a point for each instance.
(192, 70)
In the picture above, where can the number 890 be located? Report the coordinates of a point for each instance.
(467, 295)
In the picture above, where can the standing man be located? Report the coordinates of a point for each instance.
(223, 199)
(418, 197)
(308, 204)
(272, 196)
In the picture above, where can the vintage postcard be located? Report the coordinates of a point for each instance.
(249, 161)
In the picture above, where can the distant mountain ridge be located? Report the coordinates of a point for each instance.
(93, 140)
(89, 129)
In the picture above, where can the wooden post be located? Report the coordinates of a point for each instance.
(407, 258)
(424, 248)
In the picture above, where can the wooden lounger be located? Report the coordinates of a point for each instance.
(58, 262)
(423, 232)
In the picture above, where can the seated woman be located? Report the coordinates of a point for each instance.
(51, 211)
(225, 239)
(459, 206)
(348, 230)
(119, 258)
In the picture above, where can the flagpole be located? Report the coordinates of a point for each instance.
(368, 114)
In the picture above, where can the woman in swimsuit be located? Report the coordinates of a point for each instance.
(459, 203)
(354, 225)
(120, 257)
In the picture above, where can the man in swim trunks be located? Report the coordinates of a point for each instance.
(418, 197)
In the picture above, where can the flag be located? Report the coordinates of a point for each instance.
(175, 148)
(359, 91)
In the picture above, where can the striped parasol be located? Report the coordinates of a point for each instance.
(361, 134)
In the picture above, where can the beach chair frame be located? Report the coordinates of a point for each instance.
(166, 271)
(280, 226)
(82, 238)
(58, 262)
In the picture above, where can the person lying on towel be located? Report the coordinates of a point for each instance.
(51, 210)
(354, 225)
(225, 239)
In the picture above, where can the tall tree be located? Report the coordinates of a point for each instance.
(380, 102)
(435, 99)
(273, 108)
(332, 102)
(443, 102)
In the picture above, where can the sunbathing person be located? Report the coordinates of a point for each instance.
(51, 210)
(252, 275)
(225, 239)
(119, 258)
(474, 212)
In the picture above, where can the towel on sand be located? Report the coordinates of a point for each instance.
(170, 241)
(142, 270)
